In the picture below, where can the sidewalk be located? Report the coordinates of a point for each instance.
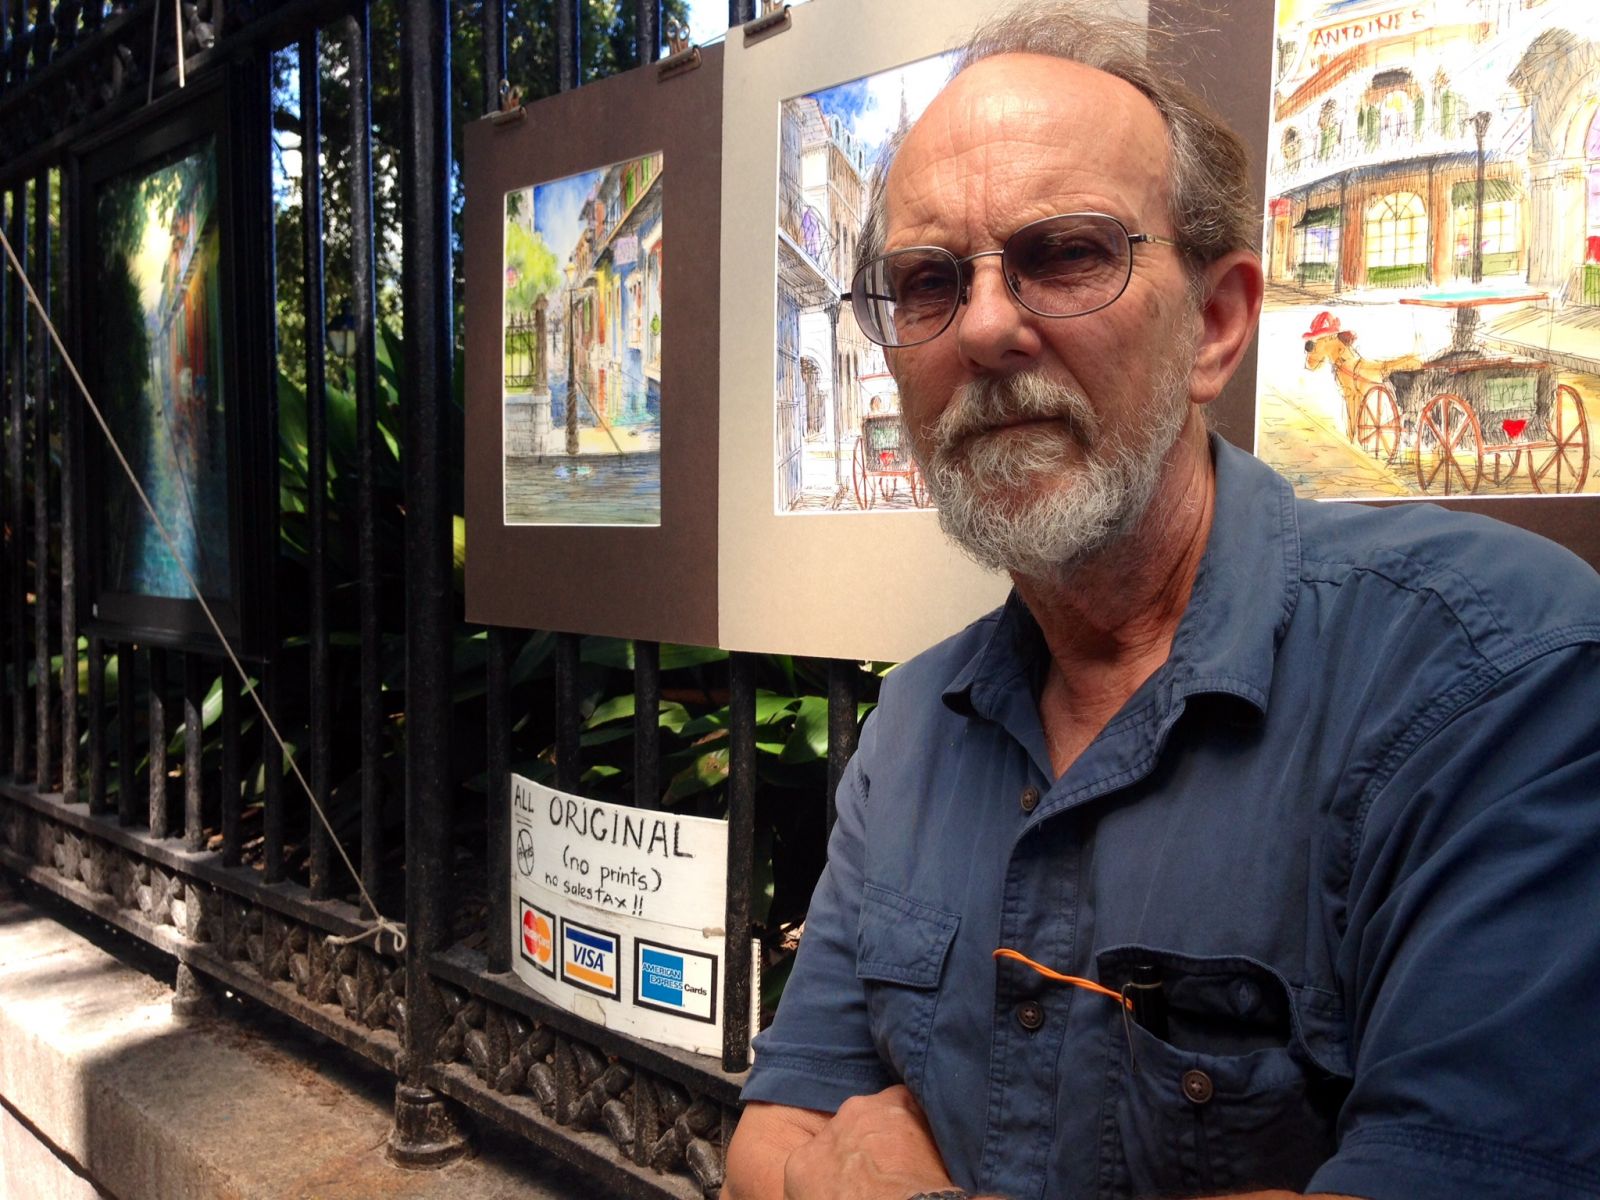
(104, 1093)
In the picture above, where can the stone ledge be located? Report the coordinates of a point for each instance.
(141, 1104)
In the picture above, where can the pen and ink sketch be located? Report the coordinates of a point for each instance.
(837, 444)
(160, 376)
(1432, 248)
(582, 348)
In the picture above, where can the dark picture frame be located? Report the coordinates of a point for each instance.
(656, 579)
(167, 332)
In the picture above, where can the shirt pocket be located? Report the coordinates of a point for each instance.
(901, 949)
(1242, 1095)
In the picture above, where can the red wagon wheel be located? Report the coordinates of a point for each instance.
(859, 480)
(1449, 446)
(1567, 467)
(919, 487)
(1378, 422)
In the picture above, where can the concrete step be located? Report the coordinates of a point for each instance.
(103, 1092)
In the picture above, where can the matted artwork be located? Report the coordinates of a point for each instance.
(157, 328)
(164, 389)
(582, 348)
(824, 545)
(591, 364)
(1432, 326)
(836, 444)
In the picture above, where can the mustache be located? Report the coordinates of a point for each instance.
(982, 405)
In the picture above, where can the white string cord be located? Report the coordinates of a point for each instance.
(381, 923)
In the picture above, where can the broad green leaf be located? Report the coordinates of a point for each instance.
(809, 739)
(458, 550)
(603, 737)
(617, 709)
(673, 716)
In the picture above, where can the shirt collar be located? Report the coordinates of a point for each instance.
(1243, 597)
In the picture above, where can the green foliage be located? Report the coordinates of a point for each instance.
(605, 43)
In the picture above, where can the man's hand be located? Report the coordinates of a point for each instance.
(875, 1148)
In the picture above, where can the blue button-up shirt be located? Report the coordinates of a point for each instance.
(1351, 823)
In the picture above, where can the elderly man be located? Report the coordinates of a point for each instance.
(1251, 847)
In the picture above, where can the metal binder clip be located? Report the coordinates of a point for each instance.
(773, 19)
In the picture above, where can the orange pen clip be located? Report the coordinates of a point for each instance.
(1075, 981)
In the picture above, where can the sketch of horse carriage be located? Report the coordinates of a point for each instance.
(1464, 412)
(881, 461)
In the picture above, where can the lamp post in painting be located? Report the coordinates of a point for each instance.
(572, 377)
(1480, 125)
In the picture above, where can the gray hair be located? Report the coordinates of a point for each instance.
(1213, 209)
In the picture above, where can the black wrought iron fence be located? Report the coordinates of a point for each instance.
(144, 784)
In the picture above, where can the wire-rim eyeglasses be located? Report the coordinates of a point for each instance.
(1067, 265)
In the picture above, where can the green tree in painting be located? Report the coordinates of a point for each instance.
(531, 270)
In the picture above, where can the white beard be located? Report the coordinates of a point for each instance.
(1000, 493)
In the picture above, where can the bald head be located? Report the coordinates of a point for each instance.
(1022, 136)
(1211, 206)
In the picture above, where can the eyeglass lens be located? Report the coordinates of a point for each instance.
(1058, 267)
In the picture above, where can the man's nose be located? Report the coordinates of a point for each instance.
(993, 331)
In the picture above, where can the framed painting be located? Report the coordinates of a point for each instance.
(591, 358)
(158, 206)
(1432, 248)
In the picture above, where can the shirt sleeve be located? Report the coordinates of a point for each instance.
(819, 1050)
(1471, 957)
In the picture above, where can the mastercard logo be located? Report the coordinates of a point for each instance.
(538, 940)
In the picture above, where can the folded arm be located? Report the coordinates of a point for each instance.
(874, 1148)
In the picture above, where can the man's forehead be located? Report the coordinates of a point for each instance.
(1012, 129)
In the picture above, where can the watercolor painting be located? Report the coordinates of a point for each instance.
(1432, 246)
(582, 348)
(160, 375)
(837, 442)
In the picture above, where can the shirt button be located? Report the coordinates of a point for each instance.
(1030, 798)
(1030, 1015)
(1246, 995)
(1197, 1087)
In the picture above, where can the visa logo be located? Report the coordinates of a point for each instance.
(589, 959)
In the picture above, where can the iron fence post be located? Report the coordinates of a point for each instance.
(17, 601)
(194, 698)
(127, 814)
(319, 708)
(741, 858)
(844, 689)
(159, 824)
(67, 433)
(363, 292)
(43, 687)
(426, 1131)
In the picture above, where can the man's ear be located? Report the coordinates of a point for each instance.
(1228, 312)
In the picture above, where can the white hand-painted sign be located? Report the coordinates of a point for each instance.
(619, 912)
